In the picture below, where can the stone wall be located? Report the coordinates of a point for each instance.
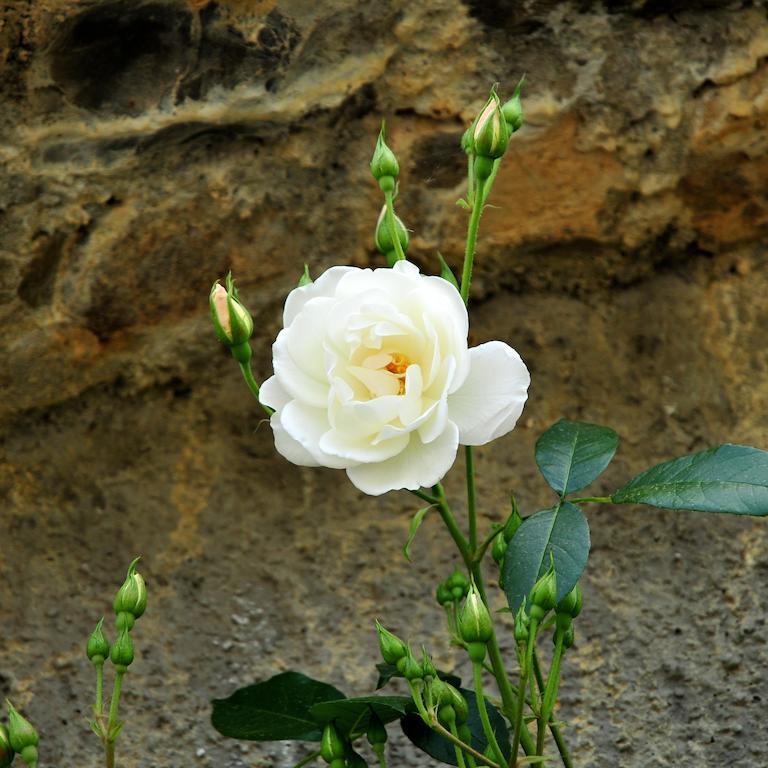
(149, 146)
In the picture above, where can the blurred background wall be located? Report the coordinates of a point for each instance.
(149, 146)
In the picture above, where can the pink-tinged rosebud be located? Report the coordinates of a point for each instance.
(231, 320)
(490, 134)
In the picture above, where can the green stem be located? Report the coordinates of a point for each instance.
(392, 227)
(425, 497)
(471, 498)
(491, 178)
(113, 715)
(554, 729)
(592, 500)
(253, 386)
(518, 727)
(419, 702)
(469, 252)
(490, 735)
(550, 692)
(471, 179)
(308, 759)
(445, 733)
(98, 707)
(380, 753)
(457, 749)
(452, 525)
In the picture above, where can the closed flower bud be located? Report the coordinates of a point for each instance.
(332, 746)
(338, 763)
(377, 732)
(132, 596)
(409, 668)
(384, 165)
(231, 320)
(459, 704)
(427, 667)
(513, 109)
(569, 637)
(392, 647)
(122, 650)
(22, 736)
(383, 238)
(543, 595)
(466, 141)
(474, 623)
(6, 750)
(571, 604)
(514, 521)
(446, 715)
(490, 134)
(98, 646)
(458, 579)
(521, 625)
(440, 693)
(499, 548)
(443, 594)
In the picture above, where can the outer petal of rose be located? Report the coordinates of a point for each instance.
(307, 425)
(291, 449)
(273, 394)
(491, 399)
(419, 465)
(325, 285)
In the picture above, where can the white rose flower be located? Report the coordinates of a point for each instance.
(373, 375)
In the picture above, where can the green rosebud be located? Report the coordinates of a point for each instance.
(132, 596)
(383, 239)
(440, 694)
(514, 521)
(232, 322)
(124, 621)
(22, 736)
(459, 704)
(499, 548)
(474, 623)
(409, 668)
(490, 134)
(97, 648)
(391, 646)
(569, 637)
(332, 746)
(446, 714)
(571, 604)
(522, 621)
(513, 109)
(377, 732)
(6, 750)
(384, 165)
(122, 650)
(543, 596)
(458, 579)
(443, 595)
(427, 666)
(338, 763)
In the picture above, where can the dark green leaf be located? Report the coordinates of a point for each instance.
(445, 271)
(730, 478)
(563, 531)
(388, 671)
(415, 523)
(571, 454)
(273, 710)
(305, 278)
(353, 716)
(443, 750)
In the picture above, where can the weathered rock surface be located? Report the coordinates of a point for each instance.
(149, 146)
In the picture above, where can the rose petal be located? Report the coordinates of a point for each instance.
(417, 466)
(307, 425)
(291, 449)
(491, 399)
(325, 285)
(273, 394)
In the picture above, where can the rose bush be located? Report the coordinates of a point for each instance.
(372, 374)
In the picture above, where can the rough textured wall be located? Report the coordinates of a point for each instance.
(147, 147)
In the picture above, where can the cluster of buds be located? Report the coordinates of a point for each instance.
(232, 322)
(452, 707)
(337, 750)
(487, 138)
(453, 590)
(398, 653)
(129, 604)
(19, 738)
